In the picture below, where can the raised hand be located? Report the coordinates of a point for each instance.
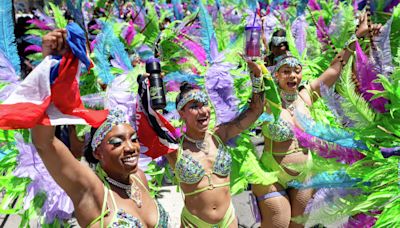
(363, 30)
(54, 43)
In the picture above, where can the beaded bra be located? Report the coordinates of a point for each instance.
(278, 131)
(123, 219)
(190, 171)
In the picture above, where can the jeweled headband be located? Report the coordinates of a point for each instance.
(115, 117)
(276, 40)
(195, 94)
(286, 60)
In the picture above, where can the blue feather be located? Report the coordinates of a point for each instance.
(33, 40)
(328, 133)
(119, 53)
(301, 6)
(252, 4)
(265, 117)
(76, 10)
(178, 11)
(180, 77)
(207, 33)
(170, 106)
(102, 65)
(7, 37)
(338, 179)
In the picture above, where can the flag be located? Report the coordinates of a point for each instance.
(154, 131)
(49, 95)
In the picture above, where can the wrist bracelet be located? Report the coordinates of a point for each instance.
(352, 39)
(257, 84)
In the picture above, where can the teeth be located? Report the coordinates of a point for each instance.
(130, 159)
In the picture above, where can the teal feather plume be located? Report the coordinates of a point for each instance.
(7, 37)
(102, 65)
(329, 133)
(207, 33)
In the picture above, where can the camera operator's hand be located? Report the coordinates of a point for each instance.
(54, 43)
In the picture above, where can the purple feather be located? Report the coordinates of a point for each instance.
(93, 100)
(381, 55)
(270, 23)
(334, 101)
(7, 71)
(325, 202)
(46, 19)
(173, 86)
(139, 17)
(314, 5)
(336, 25)
(6, 91)
(327, 196)
(361, 220)
(34, 48)
(197, 50)
(393, 3)
(119, 94)
(366, 76)
(57, 204)
(40, 24)
(327, 150)
(219, 85)
(356, 4)
(321, 30)
(299, 27)
(129, 32)
(388, 152)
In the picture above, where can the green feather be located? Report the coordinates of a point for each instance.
(355, 106)
(291, 43)
(59, 19)
(222, 32)
(152, 29)
(395, 32)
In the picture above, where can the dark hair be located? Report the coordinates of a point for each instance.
(184, 89)
(269, 60)
(88, 151)
(279, 33)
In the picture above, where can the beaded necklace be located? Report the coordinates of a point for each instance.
(132, 190)
(200, 144)
(288, 100)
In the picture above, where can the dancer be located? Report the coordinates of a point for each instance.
(277, 46)
(117, 194)
(277, 203)
(202, 164)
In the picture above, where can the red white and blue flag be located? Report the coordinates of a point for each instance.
(50, 95)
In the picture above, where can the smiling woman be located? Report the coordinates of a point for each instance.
(117, 193)
(203, 163)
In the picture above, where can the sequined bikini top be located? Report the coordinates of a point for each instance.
(278, 131)
(122, 219)
(191, 171)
